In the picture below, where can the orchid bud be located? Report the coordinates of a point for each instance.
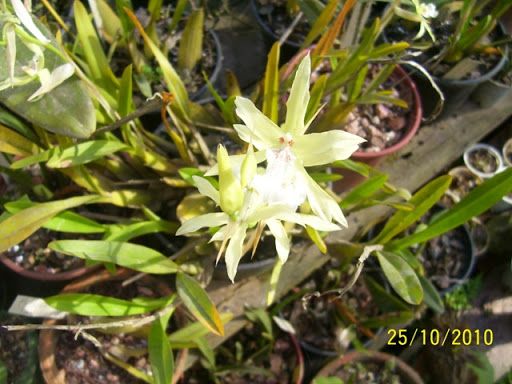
(249, 166)
(230, 190)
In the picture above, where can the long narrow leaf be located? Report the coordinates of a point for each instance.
(423, 200)
(271, 84)
(22, 224)
(475, 203)
(198, 303)
(133, 256)
(87, 304)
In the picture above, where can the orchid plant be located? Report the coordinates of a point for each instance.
(257, 198)
(31, 56)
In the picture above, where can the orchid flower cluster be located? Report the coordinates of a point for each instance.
(422, 14)
(20, 27)
(255, 198)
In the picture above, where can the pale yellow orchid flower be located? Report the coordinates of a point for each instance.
(240, 215)
(294, 148)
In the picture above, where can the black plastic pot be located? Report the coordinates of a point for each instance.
(202, 96)
(288, 48)
(244, 270)
(469, 261)
(489, 93)
(456, 92)
(325, 353)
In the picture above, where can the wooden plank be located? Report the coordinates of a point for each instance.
(434, 148)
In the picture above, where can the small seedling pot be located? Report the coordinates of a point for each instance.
(490, 152)
(407, 374)
(463, 177)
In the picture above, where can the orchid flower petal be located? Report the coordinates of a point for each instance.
(263, 213)
(282, 240)
(326, 147)
(52, 80)
(309, 220)
(206, 188)
(258, 130)
(236, 163)
(26, 20)
(234, 251)
(221, 234)
(297, 103)
(321, 203)
(207, 220)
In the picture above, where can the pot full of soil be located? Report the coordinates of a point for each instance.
(250, 357)
(448, 260)
(18, 353)
(370, 367)
(463, 182)
(387, 129)
(327, 326)
(66, 359)
(483, 160)
(458, 80)
(33, 260)
(274, 18)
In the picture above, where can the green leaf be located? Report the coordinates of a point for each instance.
(133, 256)
(63, 222)
(355, 166)
(271, 84)
(431, 296)
(206, 350)
(22, 224)
(87, 304)
(11, 120)
(187, 336)
(364, 190)
(475, 203)
(423, 200)
(178, 13)
(198, 303)
(126, 232)
(191, 43)
(96, 59)
(401, 276)
(316, 238)
(83, 153)
(322, 177)
(171, 78)
(321, 23)
(160, 352)
(15, 144)
(3, 373)
(328, 380)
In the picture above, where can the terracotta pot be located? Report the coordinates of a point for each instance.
(407, 374)
(48, 338)
(351, 179)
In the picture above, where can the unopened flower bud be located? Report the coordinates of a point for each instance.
(230, 190)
